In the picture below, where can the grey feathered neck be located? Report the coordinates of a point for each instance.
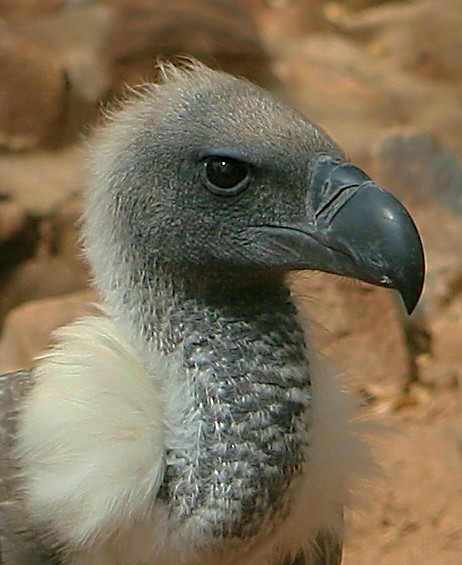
(242, 354)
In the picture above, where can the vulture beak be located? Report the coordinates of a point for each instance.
(356, 229)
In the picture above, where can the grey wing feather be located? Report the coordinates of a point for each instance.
(15, 553)
(15, 547)
(328, 551)
(13, 387)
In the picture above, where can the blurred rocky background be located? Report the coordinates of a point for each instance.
(384, 78)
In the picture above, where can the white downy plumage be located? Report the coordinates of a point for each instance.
(94, 446)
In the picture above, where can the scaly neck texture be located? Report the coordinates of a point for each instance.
(242, 356)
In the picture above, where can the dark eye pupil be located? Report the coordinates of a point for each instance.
(225, 172)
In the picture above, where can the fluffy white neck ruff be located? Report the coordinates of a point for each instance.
(92, 443)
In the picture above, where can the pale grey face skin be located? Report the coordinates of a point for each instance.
(168, 213)
(179, 220)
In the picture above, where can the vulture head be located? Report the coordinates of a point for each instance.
(209, 176)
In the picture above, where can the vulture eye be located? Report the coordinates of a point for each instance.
(226, 176)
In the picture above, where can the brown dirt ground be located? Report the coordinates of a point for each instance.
(414, 514)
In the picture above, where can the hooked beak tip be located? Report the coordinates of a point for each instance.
(370, 228)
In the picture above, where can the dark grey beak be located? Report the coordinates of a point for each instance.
(356, 229)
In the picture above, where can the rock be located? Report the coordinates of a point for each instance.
(414, 517)
(32, 92)
(19, 235)
(436, 373)
(422, 36)
(427, 177)
(356, 97)
(40, 181)
(217, 32)
(78, 34)
(27, 329)
(21, 9)
(360, 4)
(338, 85)
(66, 230)
(41, 277)
(430, 106)
(428, 171)
(50, 264)
(361, 328)
(282, 22)
(12, 219)
(44, 258)
(66, 242)
(442, 366)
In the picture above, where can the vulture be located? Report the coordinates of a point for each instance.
(191, 421)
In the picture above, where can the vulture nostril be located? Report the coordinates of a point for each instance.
(337, 200)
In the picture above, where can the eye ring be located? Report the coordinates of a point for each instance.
(225, 176)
